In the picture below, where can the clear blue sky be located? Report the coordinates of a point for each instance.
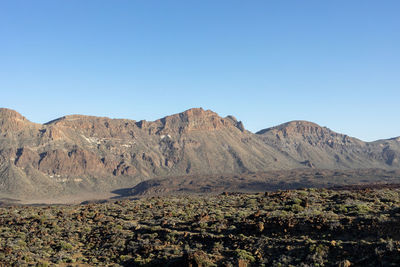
(336, 63)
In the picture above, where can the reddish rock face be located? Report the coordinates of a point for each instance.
(25, 157)
(12, 121)
(74, 162)
(195, 119)
(79, 162)
(51, 133)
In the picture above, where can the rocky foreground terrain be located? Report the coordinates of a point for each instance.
(310, 227)
(84, 155)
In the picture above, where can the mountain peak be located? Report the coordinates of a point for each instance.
(196, 112)
(6, 113)
(10, 120)
(296, 126)
(302, 134)
(74, 117)
(197, 119)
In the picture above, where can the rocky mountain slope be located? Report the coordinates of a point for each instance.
(319, 147)
(79, 153)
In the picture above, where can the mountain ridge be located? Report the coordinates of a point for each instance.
(188, 111)
(78, 152)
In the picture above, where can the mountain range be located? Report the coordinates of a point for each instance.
(77, 154)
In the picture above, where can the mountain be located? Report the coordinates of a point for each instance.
(77, 154)
(319, 147)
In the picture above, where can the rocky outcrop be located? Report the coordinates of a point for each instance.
(11, 120)
(16, 127)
